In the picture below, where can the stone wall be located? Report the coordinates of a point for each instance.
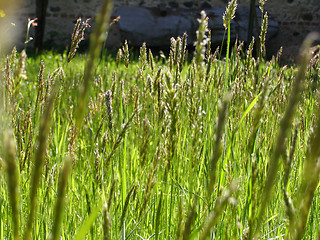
(296, 18)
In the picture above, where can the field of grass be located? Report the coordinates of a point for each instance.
(158, 147)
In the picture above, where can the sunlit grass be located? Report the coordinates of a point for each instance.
(163, 148)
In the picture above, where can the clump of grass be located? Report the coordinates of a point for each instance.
(39, 158)
(121, 136)
(156, 147)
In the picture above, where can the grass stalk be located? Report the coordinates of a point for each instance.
(263, 34)
(97, 38)
(13, 181)
(217, 211)
(217, 151)
(106, 223)
(63, 182)
(285, 124)
(227, 17)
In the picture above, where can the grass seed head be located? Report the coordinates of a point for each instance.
(261, 4)
(263, 34)
(229, 14)
(126, 55)
(143, 56)
(202, 39)
(77, 37)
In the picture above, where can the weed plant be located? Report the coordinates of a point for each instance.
(159, 147)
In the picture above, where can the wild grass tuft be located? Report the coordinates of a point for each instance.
(159, 147)
(40, 157)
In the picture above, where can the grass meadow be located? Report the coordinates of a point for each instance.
(191, 145)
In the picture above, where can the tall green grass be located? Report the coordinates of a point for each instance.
(159, 147)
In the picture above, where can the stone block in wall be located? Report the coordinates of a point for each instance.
(114, 36)
(152, 25)
(296, 19)
(156, 26)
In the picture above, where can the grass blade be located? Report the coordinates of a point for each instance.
(85, 227)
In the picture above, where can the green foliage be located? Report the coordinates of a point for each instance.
(162, 148)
